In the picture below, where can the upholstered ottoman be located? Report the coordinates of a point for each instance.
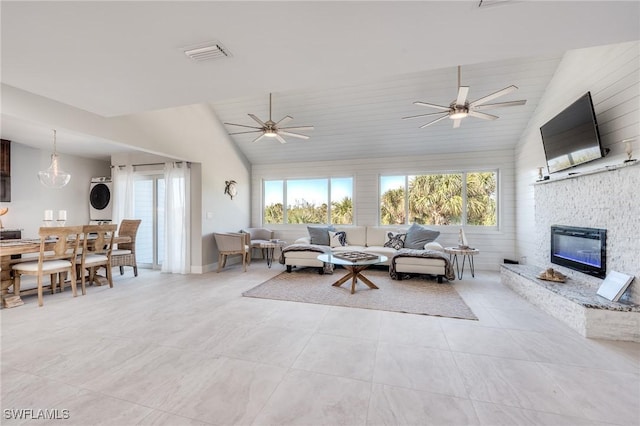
(430, 262)
(305, 255)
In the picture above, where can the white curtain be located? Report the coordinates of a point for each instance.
(177, 228)
(122, 177)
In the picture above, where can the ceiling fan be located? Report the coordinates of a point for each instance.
(271, 129)
(461, 107)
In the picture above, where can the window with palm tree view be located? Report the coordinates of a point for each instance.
(461, 198)
(322, 200)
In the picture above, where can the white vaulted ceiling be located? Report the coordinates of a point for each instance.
(352, 69)
(365, 120)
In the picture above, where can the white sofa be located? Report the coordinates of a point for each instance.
(371, 239)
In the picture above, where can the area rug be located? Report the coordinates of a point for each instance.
(418, 295)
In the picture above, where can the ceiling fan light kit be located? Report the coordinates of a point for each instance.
(271, 129)
(461, 108)
(459, 113)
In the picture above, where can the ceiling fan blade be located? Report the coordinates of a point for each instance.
(293, 135)
(500, 104)
(284, 120)
(446, 108)
(423, 115)
(494, 95)
(456, 123)
(463, 91)
(242, 133)
(242, 125)
(280, 138)
(260, 122)
(259, 137)
(482, 115)
(434, 121)
(297, 128)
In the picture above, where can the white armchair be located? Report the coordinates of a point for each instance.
(257, 236)
(230, 243)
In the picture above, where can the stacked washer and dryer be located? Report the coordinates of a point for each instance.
(100, 200)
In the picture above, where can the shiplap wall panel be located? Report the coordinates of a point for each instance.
(612, 75)
(494, 245)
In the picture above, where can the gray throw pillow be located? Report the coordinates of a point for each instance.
(320, 234)
(418, 236)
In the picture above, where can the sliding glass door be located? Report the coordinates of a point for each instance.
(149, 195)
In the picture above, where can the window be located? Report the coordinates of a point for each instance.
(273, 201)
(149, 192)
(321, 200)
(461, 198)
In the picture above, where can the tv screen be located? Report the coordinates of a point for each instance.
(571, 137)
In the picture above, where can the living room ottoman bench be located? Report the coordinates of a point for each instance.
(305, 255)
(428, 262)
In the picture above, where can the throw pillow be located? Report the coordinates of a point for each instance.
(418, 236)
(337, 239)
(396, 240)
(320, 234)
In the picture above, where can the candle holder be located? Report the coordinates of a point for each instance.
(61, 222)
(47, 223)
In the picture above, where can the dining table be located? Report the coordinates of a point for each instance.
(11, 252)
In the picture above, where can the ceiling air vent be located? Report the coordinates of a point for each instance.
(206, 51)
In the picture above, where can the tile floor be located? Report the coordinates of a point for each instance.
(166, 349)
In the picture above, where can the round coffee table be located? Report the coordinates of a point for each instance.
(354, 268)
(467, 253)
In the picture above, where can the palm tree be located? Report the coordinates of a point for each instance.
(342, 211)
(436, 199)
(392, 211)
(481, 198)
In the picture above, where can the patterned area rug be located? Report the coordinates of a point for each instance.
(417, 295)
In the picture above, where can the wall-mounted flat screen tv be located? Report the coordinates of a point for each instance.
(571, 138)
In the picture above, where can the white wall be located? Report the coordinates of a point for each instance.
(190, 133)
(29, 198)
(494, 246)
(612, 75)
(195, 133)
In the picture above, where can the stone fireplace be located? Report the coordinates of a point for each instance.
(606, 200)
(591, 203)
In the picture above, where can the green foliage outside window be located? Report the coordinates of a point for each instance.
(303, 211)
(274, 213)
(342, 211)
(438, 199)
(392, 210)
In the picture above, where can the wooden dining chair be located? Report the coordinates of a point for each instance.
(97, 246)
(55, 261)
(125, 253)
(231, 243)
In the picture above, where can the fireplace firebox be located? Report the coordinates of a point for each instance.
(581, 249)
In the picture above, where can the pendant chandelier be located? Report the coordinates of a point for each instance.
(54, 176)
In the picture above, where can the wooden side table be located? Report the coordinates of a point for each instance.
(466, 253)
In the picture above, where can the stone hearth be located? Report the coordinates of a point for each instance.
(575, 303)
